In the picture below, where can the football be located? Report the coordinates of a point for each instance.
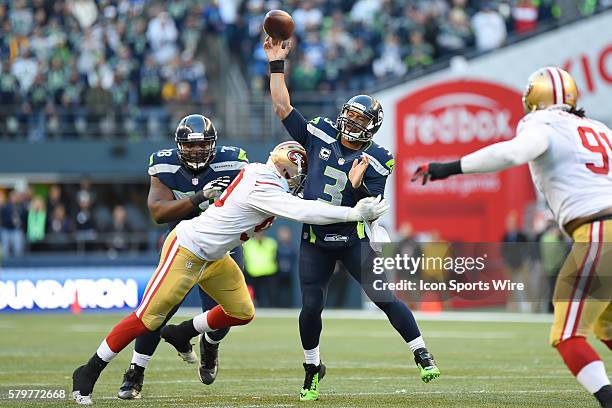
(278, 24)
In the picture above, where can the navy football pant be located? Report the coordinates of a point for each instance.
(147, 343)
(316, 268)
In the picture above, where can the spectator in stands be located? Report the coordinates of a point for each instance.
(9, 84)
(306, 17)
(58, 233)
(525, 16)
(454, 34)
(25, 69)
(84, 223)
(286, 259)
(36, 222)
(489, 28)
(390, 63)
(261, 267)
(553, 249)
(420, 53)
(514, 254)
(118, 238)
(162, 36)
(12, 221)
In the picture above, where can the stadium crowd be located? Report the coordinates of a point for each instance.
(85, 68)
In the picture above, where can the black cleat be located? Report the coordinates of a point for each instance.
(132, 383)
(209, 361)
(83, 381)
(427, 366)
(174, 335)
(312, 376)
(604, 396)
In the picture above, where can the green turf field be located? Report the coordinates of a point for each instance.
(483, 365)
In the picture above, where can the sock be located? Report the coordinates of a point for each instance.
(583, 361)
(593, 376)
(96, 364)
(200, 323)
(312, 356)
(124, 333)
(416, 344)
(216, 318)
(607, 343)
(209, 340)
(104, 352)
(216, 336)
(141, 360)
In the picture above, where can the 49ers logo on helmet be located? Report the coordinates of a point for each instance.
(296, 157)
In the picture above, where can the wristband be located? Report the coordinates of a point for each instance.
(441, 171)
(277, 67)
(197, 199)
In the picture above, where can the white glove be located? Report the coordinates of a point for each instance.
(369, 208)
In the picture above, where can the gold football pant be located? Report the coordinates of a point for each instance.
(178, 271)
(583, 294)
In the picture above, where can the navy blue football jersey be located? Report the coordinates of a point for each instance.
(166, 166)
(329, 163)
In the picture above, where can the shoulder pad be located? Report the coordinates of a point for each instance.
(229, 158)
(164, 161)
(323, 129)
(380, 158)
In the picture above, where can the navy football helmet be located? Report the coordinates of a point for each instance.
(196, 139)
(360, 118)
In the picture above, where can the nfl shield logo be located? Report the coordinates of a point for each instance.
(195, 181)
(341, 161)
(324, 153)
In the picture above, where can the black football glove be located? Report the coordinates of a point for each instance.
(436, 171)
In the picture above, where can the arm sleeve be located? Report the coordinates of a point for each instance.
(529, 143)
(276, 201)
(297, 126)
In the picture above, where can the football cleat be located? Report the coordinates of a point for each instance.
(427, 366)
(313, 374)
(209, 361)
(132, 383)
(172, 334)
(83, 381)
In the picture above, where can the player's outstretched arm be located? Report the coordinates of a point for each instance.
(525, 147)
(282, 204)
(277, 51)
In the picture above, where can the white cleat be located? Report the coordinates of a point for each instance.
(189, 358)
(81, 399)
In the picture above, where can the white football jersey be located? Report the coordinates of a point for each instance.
(247, 206)
(574, 173)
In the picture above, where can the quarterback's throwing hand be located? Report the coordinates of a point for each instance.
(276, 49)
(370, 208)
(213, 189)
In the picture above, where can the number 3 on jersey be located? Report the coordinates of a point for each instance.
(597, 147)
(334, 190)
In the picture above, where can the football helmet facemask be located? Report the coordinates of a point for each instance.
(360, 118)
(289, 159)
(549, 86)
(196, 140)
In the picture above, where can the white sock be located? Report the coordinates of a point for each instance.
(416, 344)
(105, 352)
(141, 360)
(211, 341)
(593, 376)
(200, 323)
(312, 356)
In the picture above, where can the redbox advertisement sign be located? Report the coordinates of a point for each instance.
(445, 121)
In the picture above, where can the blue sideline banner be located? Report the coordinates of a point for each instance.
(56, 288)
